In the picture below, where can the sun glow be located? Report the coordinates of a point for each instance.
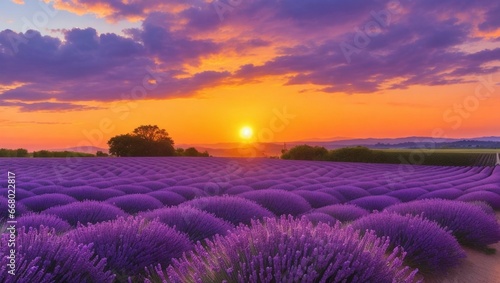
(246, 133)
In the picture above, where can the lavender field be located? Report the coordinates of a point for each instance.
(247, 220)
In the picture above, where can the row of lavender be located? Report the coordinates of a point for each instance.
(136, 185)
(135, 234)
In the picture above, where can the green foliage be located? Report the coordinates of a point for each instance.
(101, 154)
(191, 152)
(356, 154)
(20, 152)
(60, 154)
(144, 141)
(306, 152)
(366, 155)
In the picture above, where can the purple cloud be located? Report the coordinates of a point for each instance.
(352, 46)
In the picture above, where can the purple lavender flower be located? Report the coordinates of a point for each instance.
(375, 202)
(187, 192)
(442, 194)
(351, 192)
(134, 203)
(317, 199)
(236, 210)
(279, 202)
(50, 221)
(406, 195)
(132, 189)
(42, 202)
(343, 212)
(50, 189)
(92, 193)
(491, 198)
(131, 244)
(470, 224)
(317, 217)
(43, 257)
(288, 250)
(167, 198)
(197, 224)
(428, 247)
(86, 212)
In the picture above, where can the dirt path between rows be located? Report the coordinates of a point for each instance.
(478, 267)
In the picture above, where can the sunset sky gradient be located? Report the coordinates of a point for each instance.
(77, 72)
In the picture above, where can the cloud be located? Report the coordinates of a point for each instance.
(354, 46)
(47, 106)
(33, 122)
(87, 66)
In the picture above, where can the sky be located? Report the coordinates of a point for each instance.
(78, 72)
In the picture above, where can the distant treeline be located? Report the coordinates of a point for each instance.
(366, 155)
(20, 152)
(46, 153)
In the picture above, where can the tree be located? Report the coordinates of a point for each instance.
(144, 141)
(306, 152)
(193, 152)
(101, 154)
(151, 133)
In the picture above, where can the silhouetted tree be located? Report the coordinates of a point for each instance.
(144, 141)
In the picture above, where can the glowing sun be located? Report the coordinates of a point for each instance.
(246, 133)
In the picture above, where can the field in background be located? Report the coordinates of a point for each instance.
(202, 197)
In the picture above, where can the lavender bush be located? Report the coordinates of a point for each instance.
(134, 203)
(86, 212)
(288, 250)
(35, 220)
(131, 244)
(428, 247)
(491, 198)
(43, 257)
(167, 198)
(197, 224)
(92, 193)
(317, 217)
(236, 210)
(343, 212)
(317, 199)
(42, 202)
(470, 224)
(279, 202)
(405, 195)
(375, 202)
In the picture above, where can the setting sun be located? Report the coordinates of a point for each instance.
(246, 133)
